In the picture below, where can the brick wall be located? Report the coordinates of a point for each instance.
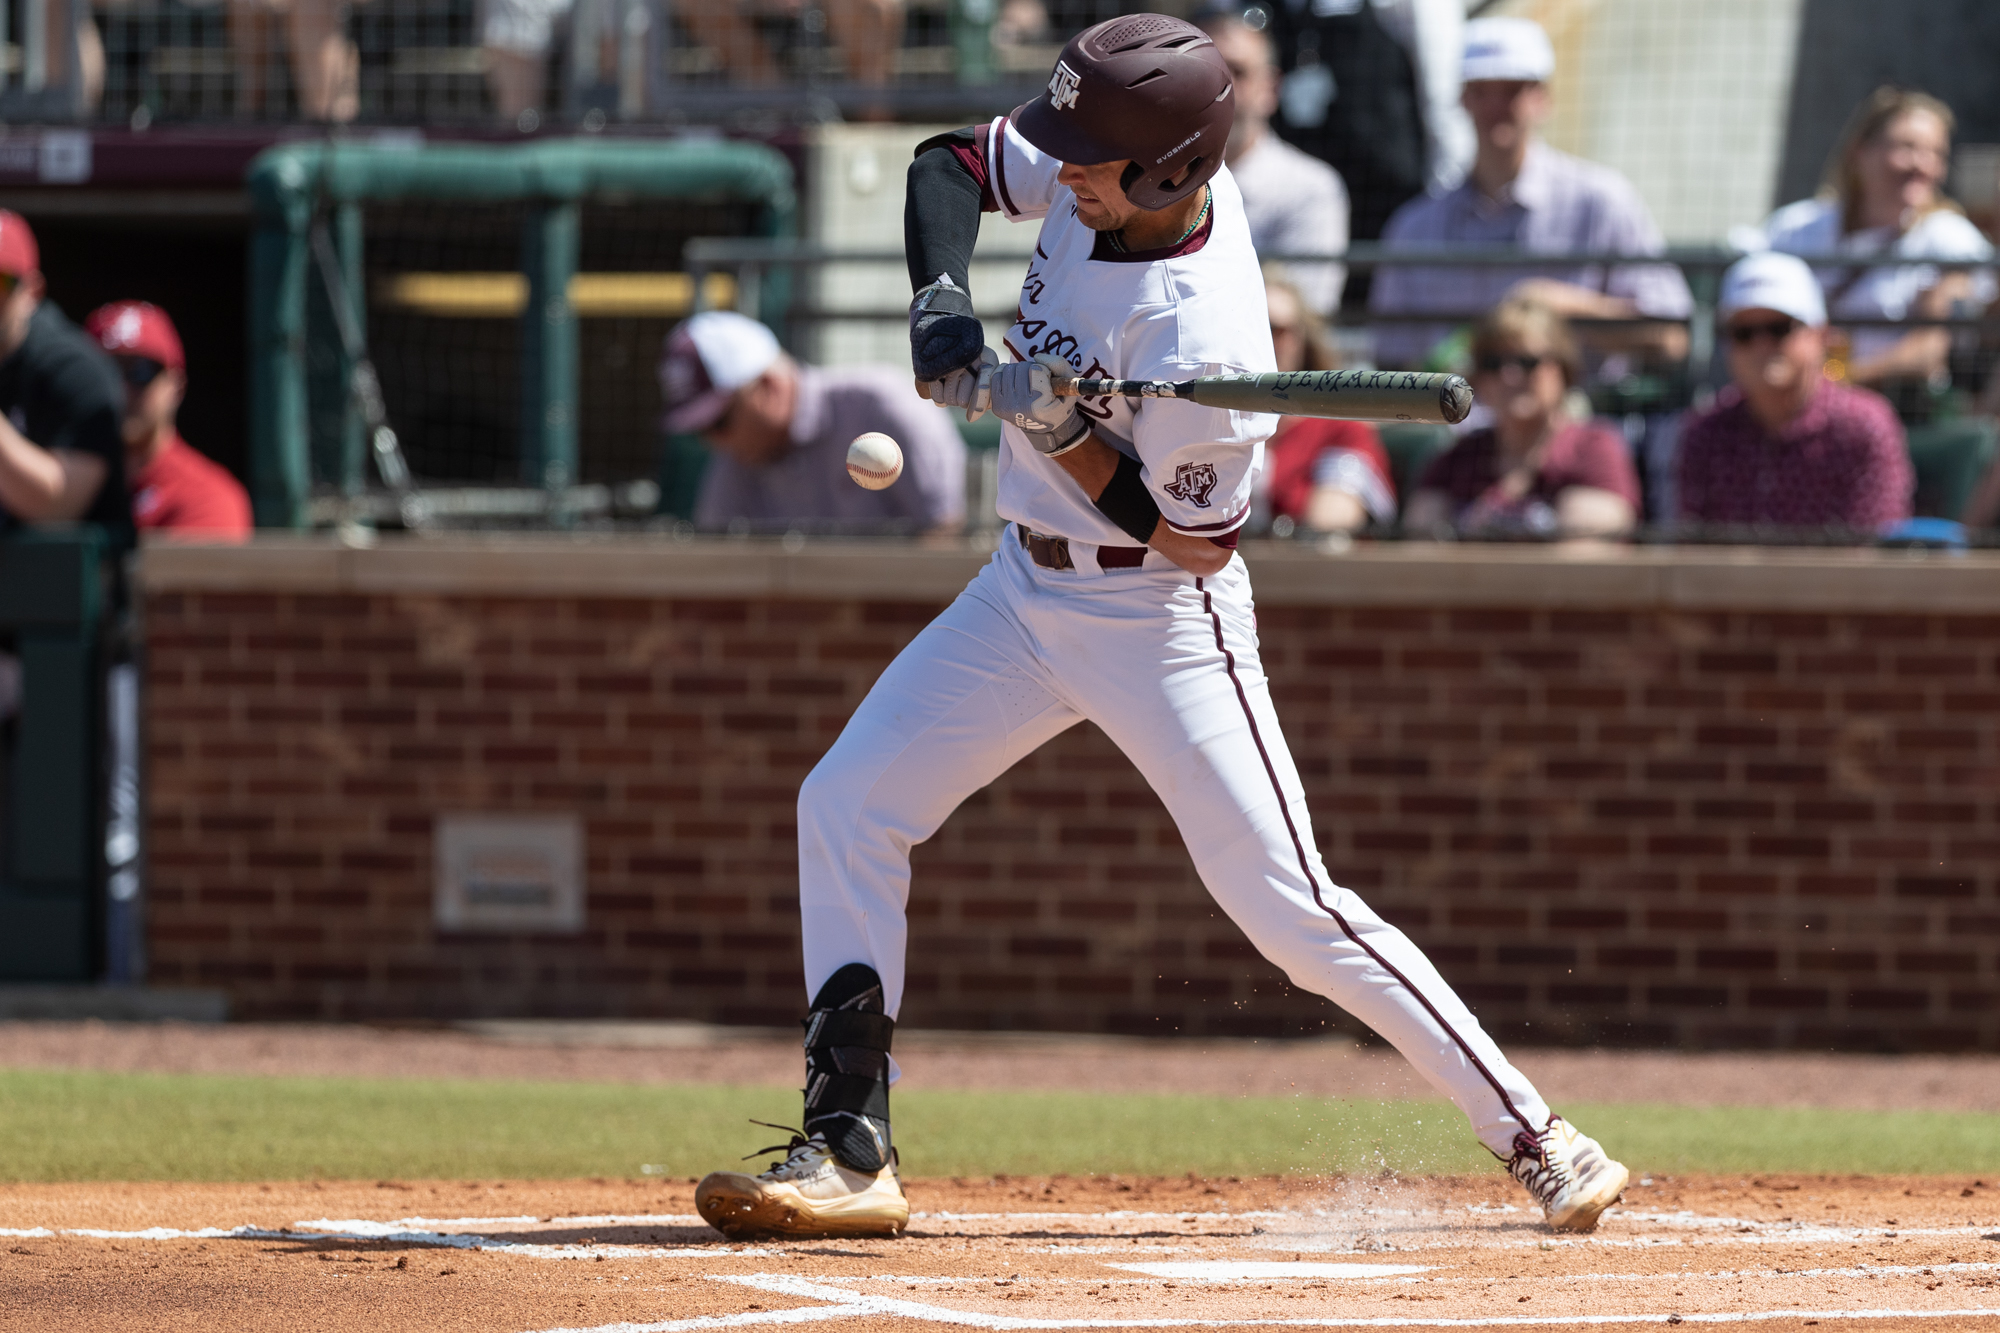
(1720, 827)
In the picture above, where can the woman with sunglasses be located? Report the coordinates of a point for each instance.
(1324, 476)
(1537, 471)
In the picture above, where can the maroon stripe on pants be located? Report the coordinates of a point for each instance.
(1305, 863)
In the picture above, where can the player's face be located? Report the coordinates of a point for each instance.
(1902, 167)
(757, 426)
(1505, 111)
(1771, 354)
(1101, 204)
(1248, 55)
(1522, 384)
(152, 398)
(23, 294)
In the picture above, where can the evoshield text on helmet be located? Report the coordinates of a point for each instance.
(1145, 87)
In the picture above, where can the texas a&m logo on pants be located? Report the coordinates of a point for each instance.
(1062, 87)
(1193, 483)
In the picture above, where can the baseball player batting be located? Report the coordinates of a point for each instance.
(1117, 597)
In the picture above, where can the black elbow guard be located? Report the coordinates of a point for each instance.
(1128, 503)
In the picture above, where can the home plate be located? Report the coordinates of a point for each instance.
(1251, 1270)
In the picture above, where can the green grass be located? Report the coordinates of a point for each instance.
(68, 1125)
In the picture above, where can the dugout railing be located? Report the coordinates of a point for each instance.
(338, 385)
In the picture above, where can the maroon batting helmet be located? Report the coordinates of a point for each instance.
(1146, 87)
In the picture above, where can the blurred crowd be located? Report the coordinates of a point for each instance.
(1830, 393)
(1823, 394)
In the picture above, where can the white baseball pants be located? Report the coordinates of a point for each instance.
(1167, 665)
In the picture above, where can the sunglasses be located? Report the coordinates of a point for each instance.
(1777, 330)
(139, 371)
(1524, 362)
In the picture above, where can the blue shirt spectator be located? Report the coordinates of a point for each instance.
(1524, 194)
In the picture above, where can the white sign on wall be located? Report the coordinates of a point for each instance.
(509, 872)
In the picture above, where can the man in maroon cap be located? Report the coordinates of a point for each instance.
(174, 488)
(62, 456)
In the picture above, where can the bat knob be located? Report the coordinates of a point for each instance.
(1455, 399)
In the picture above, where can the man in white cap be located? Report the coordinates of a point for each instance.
(1784, 446)
(778, 433)
(1524, 194)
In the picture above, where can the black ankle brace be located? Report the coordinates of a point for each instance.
(847, 1068)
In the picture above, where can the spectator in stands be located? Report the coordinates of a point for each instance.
(1784, 446)
(1884, 196)
(1371, 89)
(1536, 471)
(174, 489)
(1326, 476)
(1296, 204)
(62, 457)
(326, 65)
(867, 31)
(515, 36)
(778, 433)
(1525, 194)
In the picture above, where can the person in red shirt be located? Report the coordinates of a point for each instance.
(1537, 471)
(174, 488)
(1327, 476)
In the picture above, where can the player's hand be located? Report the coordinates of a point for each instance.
(946, 338)
(970, 388)
(1024, 394)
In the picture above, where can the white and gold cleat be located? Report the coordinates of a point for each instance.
(810, 1193)
(1569, 1173)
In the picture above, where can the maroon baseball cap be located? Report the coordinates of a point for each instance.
(19, 255)
(136, 328)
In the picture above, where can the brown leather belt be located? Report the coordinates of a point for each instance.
(1053, 552)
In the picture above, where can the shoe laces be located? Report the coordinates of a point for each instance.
(1537, 1165)
(801, 1153)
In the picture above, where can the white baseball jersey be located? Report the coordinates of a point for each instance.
(1165, 662)
(1197, 310)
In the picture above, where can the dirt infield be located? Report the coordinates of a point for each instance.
(519, 1257)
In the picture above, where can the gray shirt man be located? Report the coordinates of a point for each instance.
(1558, 204)
(809, 484)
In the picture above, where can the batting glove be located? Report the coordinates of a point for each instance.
(946, 341)
(1024, 394)
(970, 388)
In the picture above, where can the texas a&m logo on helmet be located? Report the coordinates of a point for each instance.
(1063, 87)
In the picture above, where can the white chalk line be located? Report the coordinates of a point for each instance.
(396, 1233)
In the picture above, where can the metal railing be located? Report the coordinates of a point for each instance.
(751, 260)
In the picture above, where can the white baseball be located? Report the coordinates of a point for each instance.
(874, 460)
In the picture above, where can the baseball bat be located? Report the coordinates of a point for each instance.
(1351, 395)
